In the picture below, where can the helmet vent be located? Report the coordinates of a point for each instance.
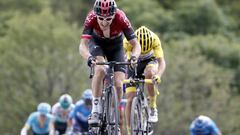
(105, 7)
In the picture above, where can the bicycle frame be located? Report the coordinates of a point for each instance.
(139, 108)
(140, 94)
(110, 116)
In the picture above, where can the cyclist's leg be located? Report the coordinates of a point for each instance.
(130, 93)
(119, 76)
(149, 72)
(122, 115)
(97, 79)
(117, 54)
(97, 91)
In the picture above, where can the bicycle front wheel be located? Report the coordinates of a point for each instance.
(135, 120)
(112, 112)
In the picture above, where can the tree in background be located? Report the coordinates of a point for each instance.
(39, 61)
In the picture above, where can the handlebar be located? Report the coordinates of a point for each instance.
(113, 63)
(148, 81)
(110, 63)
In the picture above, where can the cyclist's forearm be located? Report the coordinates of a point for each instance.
(24, 130)
(83, 48)
(51, 129)
(161, 66)
(69, 123)
(136, 51)
(219, 133)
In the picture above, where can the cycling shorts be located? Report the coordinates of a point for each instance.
(140, 70)
(111, 49)
(61, 127)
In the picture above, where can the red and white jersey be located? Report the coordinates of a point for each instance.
(119, 25)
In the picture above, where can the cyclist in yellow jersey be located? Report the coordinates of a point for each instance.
(151, 65)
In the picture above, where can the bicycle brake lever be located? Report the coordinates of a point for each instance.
(91, 72)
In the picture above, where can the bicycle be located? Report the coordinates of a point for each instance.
(139, 109)
(110, 116)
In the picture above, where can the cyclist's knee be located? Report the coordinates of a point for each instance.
(149, 72)
(99, 71)
(118, 83)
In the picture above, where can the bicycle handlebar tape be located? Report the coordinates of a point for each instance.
(149, 81)
(126, 81)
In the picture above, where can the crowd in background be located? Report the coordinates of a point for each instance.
(64, 117)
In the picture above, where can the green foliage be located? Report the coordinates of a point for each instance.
(169, 4)
(200, 18)
(39, 61)
(224, 52)
(191, 86)
(26, 6)
(192, 17)
(232, 9)
(74, 11)
(141, 12)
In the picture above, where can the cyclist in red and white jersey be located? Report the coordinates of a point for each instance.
(102, 37)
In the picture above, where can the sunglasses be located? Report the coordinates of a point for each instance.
(105, 18)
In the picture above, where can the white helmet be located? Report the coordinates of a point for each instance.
(65, 101)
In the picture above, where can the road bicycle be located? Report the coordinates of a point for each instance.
(139, 116)
(110, 115)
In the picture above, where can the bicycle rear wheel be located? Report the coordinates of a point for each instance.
(135, 118)
(112, 112)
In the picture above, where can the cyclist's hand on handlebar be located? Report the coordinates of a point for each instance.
(133, 61)
(91, 61)
(156, 79)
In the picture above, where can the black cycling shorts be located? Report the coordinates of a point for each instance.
(61, 127)
(111, 49)
(140, 69)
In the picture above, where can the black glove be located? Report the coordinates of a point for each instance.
(90, 60)
(133, 61)
(156, 78)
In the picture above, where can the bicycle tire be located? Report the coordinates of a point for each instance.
(145, 123)
(112, 112)
(104, 113)
(135, 117)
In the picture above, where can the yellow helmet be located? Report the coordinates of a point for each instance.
(145, 38)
